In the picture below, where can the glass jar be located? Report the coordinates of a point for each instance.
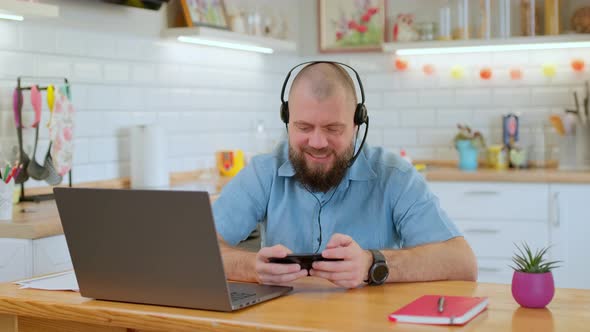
(552, 21)
(461, 28)
(529, 18)
(504, 19)
(444, 24)
(485, 18)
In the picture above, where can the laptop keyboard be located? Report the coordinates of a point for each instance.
(236, 296)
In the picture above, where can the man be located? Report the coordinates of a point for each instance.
(310, 199)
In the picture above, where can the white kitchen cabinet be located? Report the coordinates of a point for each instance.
(50, 255)
(25, 258)
(16, 259)
(569, 229)
(495, 216)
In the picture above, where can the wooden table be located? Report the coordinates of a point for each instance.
(315, 305)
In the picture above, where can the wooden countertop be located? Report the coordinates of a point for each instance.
(437, 173)
(37, 220)
(315, 305)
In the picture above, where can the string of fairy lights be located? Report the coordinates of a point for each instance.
(486, 73)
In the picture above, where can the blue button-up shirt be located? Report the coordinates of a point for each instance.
(382, 202)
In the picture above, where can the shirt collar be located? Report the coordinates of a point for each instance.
(359, 171)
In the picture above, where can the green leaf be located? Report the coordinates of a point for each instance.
(527, 260)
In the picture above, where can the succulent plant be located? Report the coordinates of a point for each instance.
(465, 133)
(529, 262)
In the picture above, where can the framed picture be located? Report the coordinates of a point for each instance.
(207, 13)
(351, 25)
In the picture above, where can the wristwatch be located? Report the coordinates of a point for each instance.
(379, 271)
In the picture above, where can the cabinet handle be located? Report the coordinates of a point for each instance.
(482, 230)
(489, 269)
(481, 193)
(555, 210)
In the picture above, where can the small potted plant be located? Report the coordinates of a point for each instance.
(532, 282)
(468, 143)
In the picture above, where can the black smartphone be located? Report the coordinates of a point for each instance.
(304, 260)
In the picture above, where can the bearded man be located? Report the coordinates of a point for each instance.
(316, 194)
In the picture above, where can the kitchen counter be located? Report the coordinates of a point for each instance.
(38, 220)
(539, 175)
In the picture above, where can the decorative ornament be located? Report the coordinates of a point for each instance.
(485, 73)
(401, 64)
(549, 70)
(457, 72)
(428, 69)
(581, 20)
(515, 74)
(404, 30)
(578, 65)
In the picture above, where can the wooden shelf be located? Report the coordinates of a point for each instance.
(28, 9)
(395, 46)
(277, 45)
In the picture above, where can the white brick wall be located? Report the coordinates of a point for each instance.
(122, 81)
(209, 99)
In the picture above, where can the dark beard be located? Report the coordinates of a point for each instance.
(319, 180)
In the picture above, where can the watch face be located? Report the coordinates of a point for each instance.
(380, 273)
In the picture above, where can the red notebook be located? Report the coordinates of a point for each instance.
(457, 310)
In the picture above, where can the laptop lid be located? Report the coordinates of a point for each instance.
(144, 246)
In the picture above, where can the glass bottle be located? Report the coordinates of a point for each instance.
(444, 24)
(504, 15)
(261, 138)
(528, 18)
(552, 21)
(485, 18)
(461, 29)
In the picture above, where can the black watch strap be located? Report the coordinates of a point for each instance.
(377, 256)
(378, 260)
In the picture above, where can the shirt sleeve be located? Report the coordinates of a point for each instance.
(417, 215)
(242, 203)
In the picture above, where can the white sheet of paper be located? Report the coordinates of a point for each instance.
(59, 281)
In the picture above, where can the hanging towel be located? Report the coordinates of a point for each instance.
(61, 131)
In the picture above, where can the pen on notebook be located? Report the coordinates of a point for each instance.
(441, 304)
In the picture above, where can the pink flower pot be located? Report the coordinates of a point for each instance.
(533, 290)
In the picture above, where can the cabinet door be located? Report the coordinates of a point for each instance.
(15, 259)
(51, 255)
(569, 229)
(492, 201)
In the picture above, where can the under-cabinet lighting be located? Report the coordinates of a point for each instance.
(491, 48)
(216, 43)
(12, 17)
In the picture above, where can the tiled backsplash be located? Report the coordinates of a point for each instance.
(209, 99)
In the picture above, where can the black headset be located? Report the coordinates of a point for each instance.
(360, 112)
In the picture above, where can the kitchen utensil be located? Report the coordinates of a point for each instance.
(581, 113)
(17, 105)
(587, 100)
(36, 170)
(557, 124)
(50, 102)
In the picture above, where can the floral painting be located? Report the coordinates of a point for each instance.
(351, 25)
(210, 13)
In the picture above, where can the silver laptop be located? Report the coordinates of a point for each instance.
(151, 246)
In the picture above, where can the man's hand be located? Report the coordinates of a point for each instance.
(274, 273)
(352, 271)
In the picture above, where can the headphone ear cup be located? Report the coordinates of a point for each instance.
(285, 112)
(360, 114)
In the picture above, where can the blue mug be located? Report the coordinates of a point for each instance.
(467, 155)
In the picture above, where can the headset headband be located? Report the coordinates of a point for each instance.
(358, 78)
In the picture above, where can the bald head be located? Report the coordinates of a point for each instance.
(324, 80)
